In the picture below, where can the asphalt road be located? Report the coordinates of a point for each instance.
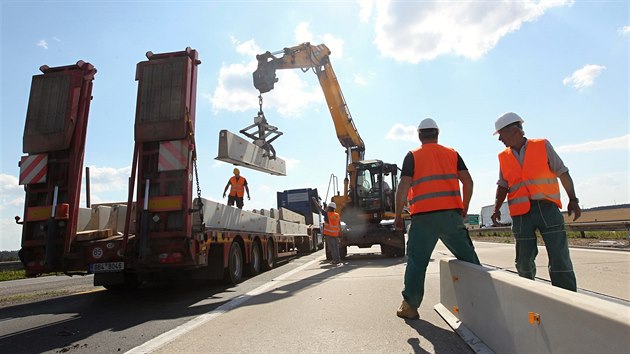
(304, 305)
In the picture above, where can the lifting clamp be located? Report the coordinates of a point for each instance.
(263, 131)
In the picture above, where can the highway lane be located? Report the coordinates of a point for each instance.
(97, 321)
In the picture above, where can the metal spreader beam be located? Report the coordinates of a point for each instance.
(238, 151)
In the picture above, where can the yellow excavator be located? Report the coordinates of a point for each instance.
(368, 200)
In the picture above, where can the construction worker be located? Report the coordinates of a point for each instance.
(332, 229)
(529, 172)
(430, 183)
(238, 185)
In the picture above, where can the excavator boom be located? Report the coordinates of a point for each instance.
(316, 57)
(365, 201)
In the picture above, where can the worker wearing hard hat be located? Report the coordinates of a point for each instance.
(332, 229)
(529, 172)
(430, 183)
(238, 186)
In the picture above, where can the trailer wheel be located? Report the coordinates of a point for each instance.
(234, 270)
(269, 262)
(256, 259)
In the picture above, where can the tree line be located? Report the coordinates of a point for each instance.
(7, 256)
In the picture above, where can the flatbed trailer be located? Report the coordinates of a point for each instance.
(164, 232)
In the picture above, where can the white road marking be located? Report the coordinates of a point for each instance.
(178, 331)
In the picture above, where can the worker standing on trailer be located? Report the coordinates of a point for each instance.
(238, 186)
(528, 176)
(332, 229)
(430, 182)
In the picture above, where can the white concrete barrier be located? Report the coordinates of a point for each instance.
(511, 314)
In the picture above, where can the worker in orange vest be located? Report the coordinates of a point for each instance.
(238, 186)
(332, 229)
(430, 184)
(529, 172)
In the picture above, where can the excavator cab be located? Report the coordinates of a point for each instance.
(375, 189)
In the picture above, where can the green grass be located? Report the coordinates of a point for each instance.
(6, 275)
(32, 296)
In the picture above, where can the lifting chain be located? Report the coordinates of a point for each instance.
(260, 102)
(199, 203)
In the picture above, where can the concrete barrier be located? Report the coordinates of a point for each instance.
(511, 314)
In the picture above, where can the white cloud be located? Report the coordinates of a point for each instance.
(248, 48)
(360, 80)
(291, 163)
(583, 77)
(292, 95)
(303, 34)
(603, 189)
(42, 43)
(11, 194)
(624, 31)
(402, 132)
(108, 179)
(365, 9)
(11, 204)
(364, 78)
(418, 31)
(57, 39)
(235, 91)
(619, 143)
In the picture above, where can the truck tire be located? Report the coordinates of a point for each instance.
(270, 261)
(255, 262)
(234, 270)
(387, 251)
(131, 282)
(343, 252)
(314, 243)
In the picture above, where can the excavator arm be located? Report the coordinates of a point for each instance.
(316, 57)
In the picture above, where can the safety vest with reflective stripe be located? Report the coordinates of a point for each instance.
(435, 185)
(333, 226)
(532, 181)
(238, 186)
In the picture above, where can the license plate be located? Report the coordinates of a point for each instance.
(107, 267)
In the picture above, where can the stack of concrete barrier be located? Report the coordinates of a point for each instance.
(102, 221)
(283, 221)
(221, 216)
(510, 314)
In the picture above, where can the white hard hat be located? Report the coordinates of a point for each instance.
(505, 120)
(332, 205)
(428, 123)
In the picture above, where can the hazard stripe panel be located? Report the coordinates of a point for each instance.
(173, 155)
(33, 169)
(169, 203)
(38, 213)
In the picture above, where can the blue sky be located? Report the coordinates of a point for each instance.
(561, 65)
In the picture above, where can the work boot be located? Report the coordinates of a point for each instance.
(406, 311)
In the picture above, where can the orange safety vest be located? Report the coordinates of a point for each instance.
(238, 186)
(333, 226)
(532, 181)
(435, 185)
